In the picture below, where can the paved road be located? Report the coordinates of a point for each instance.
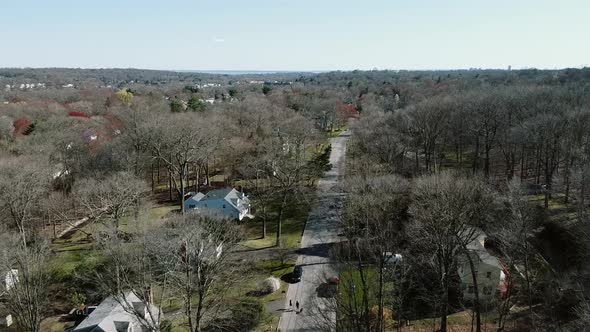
(321, 229)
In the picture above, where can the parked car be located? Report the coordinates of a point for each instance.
(297, 272)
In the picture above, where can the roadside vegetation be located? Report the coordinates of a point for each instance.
(93, 176)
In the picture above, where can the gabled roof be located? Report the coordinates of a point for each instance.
(111, 316)
(230, 195)
(478, 247)
(198, 197)
(217, 194)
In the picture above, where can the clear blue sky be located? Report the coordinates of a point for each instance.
(295, 34)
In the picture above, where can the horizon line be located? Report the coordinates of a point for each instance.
(279, 71)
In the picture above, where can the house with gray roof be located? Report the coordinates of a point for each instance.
(227, 202)
(114, 315)
(490, 273)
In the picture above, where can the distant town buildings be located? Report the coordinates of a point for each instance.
(24, 86)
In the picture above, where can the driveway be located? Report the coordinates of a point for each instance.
(321, 230)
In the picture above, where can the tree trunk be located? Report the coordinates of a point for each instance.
(170, 185)
(444, 309)
(207, 173)
(476, 292)
(529, 289)
(158, 171)
(567, 181)
(182, 176)
(445, 293)
(264, 222)
(548, 180)
(380, 325)
(476, 155)
(486, 165)
(188, 290)
(522, 163)
(152, 175)
(280, 218)
(538, 170)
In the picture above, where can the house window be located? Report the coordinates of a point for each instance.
(487, 290)
(470, 290)
(224, 206)
(489, 275)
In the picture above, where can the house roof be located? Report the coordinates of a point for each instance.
(111, 316)
(478, 247)
(217, 194)
(230, 195)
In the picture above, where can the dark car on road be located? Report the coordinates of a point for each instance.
(297, 272)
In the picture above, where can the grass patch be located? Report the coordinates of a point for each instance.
(53, 324)
(65, 264)
(461, 321)
(350, 289)
(294, 219)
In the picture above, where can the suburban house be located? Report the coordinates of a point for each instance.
(116, 316)
(491, 274)
(227, 202)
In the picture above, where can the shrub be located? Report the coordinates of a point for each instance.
(269, 285)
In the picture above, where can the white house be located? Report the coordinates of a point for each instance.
(11, 279)
(228, 202)
(117, 316)
(489, 271)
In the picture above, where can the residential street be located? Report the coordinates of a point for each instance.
(320, 231)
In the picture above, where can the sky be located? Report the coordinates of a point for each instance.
(295, 35)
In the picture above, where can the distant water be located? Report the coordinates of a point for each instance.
(247, 72)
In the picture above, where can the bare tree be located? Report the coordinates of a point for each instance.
(135, 267)
(22, 181)
(178, 140)
(286, 154)
(447, 209)
(429, 121)
(516, 234)
(6, 128)
(548, 130)
(27, 280)
(111, 198)
(373, 220)
(196, 254)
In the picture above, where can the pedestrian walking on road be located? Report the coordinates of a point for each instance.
(290, 303)
(297, 305)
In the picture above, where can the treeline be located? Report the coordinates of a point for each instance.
(101, 157)
(433, 157)
(427, 179)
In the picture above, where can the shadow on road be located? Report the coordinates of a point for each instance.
(319, 250)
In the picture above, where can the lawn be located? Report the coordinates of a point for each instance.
(294, 219)
(350, 288)
(558, 211)
(242, 290)
(459, 321)
(75, 255)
